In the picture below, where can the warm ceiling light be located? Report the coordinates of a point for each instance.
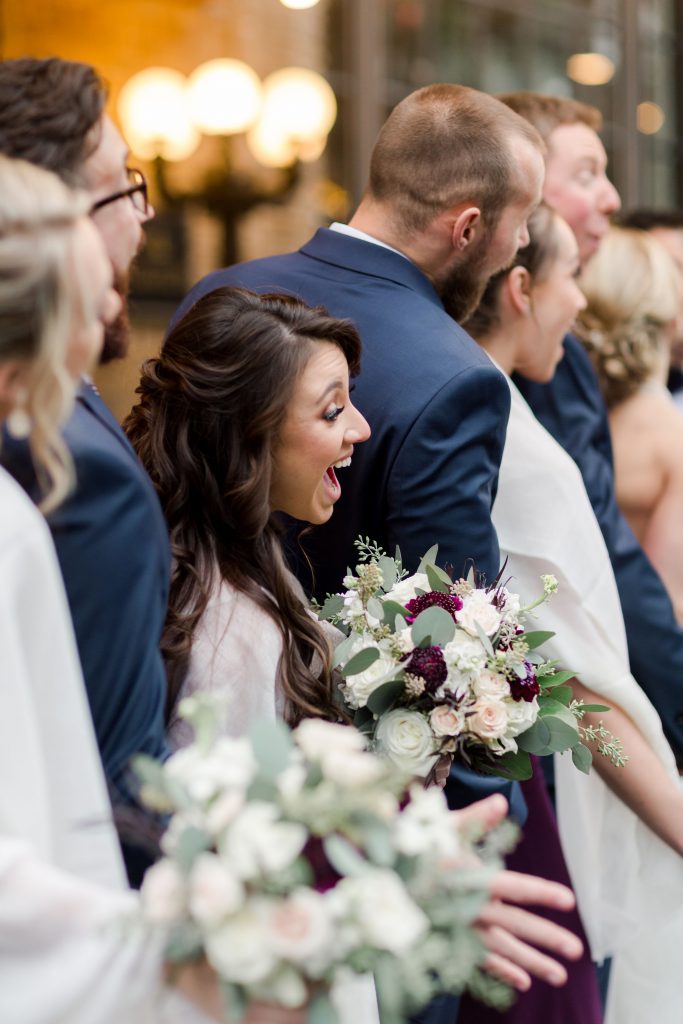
(224, 96)
(155, 115)
(298, 5)
(650, 117)
(590, 68)
(300, 102)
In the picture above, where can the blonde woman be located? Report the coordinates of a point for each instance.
(633, 288)
(63, 955)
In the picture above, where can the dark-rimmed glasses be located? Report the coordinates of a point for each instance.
(137, 190)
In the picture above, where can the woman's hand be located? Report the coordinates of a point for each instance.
(510, 933)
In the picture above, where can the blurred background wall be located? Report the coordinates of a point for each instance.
(265, 187)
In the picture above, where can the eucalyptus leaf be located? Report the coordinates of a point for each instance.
(390, 609)
(550, 706)
(185, 943)
(436, 582)
(149, 771)
(385, 696)
(191, 842)
(429, 558)
(485, 639)
(400, 624)
(375, 608)
(359, 662)
(537, 637)
(582, 758)
(563, 694)
(343, 856)
(332, 607)
(556, 679)
(434, 625)
(271, 742)
(513, 765)
(321, 1010)
(389, 572)
(343, 650)
(596, 707)
(548, 735)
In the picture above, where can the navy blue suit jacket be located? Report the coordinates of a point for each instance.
(112, 544)
(437, 407)
(572, 409)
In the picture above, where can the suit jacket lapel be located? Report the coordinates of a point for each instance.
(91, 399)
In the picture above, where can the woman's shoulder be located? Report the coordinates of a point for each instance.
(21, 525)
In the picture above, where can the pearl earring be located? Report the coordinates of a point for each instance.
(19, 422)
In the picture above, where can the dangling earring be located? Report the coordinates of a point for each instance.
(18, 422)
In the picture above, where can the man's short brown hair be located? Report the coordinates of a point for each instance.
(50, 111)
(546, 113)
(443, 145)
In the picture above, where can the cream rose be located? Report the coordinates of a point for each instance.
(477, 609)
(257, 841)
(406, 739)
(163, 893)
(489, 719)
(215, 891)
(317, 738)
(490, 684)
(521, 715)
(238, 949)
(405, 590)
(446, 721)
(299, 927)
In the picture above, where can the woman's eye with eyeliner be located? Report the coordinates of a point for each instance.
(332, 414)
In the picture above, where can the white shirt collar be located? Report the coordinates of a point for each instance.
(345, 229)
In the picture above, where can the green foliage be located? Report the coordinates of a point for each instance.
(548, 735)
(433, 626)
(582, 758)
(332, 607)
(360, 662)
(321, 1010)
(438, 579)
(272, 746)
(385, 696)
(429, 558)
(537, 637)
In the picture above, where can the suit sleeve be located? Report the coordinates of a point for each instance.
(444, 478)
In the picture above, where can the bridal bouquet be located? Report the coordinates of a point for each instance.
(293, 862)
(432, 666)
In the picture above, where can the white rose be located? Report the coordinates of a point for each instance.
(230, 763)
(446, 721)
(352, 770)
(387, 916)
(406, 739)
(163, 893)
(465, 653)
(491, 684)
(238, 949)
(215, 891)
(521, 715)
(405, 590)
(427, 825)
(299, 927)
(358, 687)
(316, 738)
(258, 842)
(489, 719)
(478, 609)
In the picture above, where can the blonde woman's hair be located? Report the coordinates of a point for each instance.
(40, 296)
(633, 289)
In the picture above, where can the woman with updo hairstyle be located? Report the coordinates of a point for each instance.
(621, 828)
(245, 414)
(635, 293)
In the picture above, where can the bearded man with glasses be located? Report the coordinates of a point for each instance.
(110, 534)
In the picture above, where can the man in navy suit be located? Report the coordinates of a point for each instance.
(572, 409)
(110, 533)
(453, 179)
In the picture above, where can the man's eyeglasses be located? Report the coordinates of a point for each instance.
(137, 191)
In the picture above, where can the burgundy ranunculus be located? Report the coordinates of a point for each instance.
(527, 688)
(450, 603)
(427, 663)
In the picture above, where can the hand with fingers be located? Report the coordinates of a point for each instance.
(510, 933)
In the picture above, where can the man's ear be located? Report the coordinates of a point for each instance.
(518, 288)
(465, 226)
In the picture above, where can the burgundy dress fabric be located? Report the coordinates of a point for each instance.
(539, 853)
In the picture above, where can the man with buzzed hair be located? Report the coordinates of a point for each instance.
(571, 407)
(110, 533)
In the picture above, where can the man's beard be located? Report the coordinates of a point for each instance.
(117, 333)
(462, 288)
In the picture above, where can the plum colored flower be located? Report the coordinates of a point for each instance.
(429, 664)
(450, 603)
(526, 688)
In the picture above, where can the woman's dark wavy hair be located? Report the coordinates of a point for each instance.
(210, 410)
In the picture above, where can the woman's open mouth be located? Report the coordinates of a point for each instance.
(330, 477)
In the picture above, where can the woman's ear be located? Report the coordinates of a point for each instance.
(518, 287)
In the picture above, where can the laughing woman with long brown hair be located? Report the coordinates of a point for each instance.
(245, 414)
